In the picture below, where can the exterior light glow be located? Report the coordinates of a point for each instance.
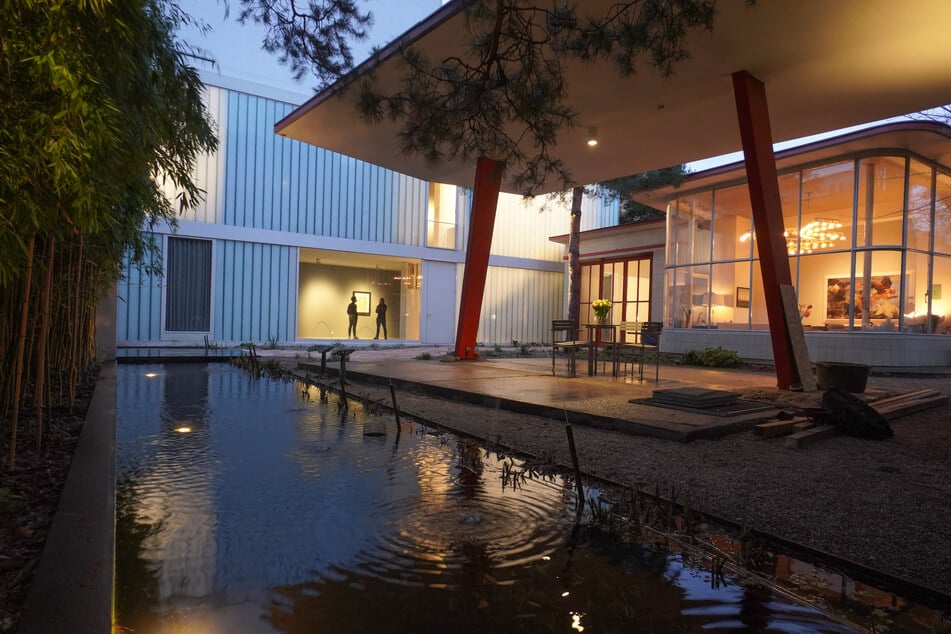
(183, 430)
(592, 136)
(151, 375)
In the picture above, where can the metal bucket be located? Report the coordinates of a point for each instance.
(848, 377)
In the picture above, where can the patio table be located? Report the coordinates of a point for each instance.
(598, 336)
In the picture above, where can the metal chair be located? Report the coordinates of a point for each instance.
(626, 348)
(563, 337)
(649, 341)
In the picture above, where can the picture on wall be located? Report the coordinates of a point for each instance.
(742, 297)
(363, 302)
(884, 298)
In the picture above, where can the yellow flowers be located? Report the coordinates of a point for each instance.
(601, 308)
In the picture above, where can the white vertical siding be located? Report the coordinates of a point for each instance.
(260, 180)
(255, 289)
(519, 305)
(139, 306)
(523, 226)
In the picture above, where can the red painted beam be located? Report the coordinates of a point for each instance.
(757, 138)
(485, 201)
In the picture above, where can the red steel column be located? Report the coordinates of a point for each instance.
(485, 201)
(757, 138)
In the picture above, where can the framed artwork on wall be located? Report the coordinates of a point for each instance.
(363, 302)
(884, 300)
(742, 297)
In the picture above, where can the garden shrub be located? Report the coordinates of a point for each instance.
(711, 358)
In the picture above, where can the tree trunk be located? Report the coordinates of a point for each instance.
(21, 346)
(41, 340)
(574, 258)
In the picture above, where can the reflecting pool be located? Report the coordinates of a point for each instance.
(255, 505)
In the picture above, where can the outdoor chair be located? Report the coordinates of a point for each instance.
(626, 348)
(648, 340)
(563, 337)
(640, 338)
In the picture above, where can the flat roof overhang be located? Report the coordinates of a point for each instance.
(927, 139)
(825, 65)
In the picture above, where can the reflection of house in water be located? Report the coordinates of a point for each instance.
(175, 479)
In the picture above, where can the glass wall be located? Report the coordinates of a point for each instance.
(867, 240)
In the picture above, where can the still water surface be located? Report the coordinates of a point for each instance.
(254, 505)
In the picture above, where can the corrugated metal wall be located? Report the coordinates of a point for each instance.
(256, 292)
(519, 304)
(139, 305)
(523, 226)
(262, 180)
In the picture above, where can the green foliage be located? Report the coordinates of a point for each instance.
(711, 358)
(317, 38)
(101, 120)
(506, 96)
(622, 189)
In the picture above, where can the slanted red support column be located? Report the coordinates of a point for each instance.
(756, 135)
(485, 200)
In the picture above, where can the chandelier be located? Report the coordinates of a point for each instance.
(821, 233)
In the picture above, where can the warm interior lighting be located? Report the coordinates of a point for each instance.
(818, 234)
(183, 430)
(821, 233)
(592, 136)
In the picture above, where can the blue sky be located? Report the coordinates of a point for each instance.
(236, 48)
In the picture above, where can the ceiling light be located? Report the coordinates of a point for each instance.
(592, 136)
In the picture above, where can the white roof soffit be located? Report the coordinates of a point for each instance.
(826, 65)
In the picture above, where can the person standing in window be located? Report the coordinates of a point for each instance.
(381, 318)
(352, 314)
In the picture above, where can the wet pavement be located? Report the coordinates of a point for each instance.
(526, 385)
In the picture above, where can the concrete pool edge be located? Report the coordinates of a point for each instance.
(72, 590)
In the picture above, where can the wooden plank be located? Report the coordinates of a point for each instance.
(776, 428)
(897, 410)
(803, 426)
(797, 340)
(903, 397)
(803, 438)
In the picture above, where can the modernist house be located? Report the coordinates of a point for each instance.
(288, 232)
(868, 235)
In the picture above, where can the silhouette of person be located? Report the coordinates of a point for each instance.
(352, 314)
(381, 318)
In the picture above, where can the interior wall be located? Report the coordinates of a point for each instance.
(325, 294)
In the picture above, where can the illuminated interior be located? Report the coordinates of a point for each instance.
(868, 250)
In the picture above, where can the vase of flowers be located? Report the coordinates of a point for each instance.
(601, 308)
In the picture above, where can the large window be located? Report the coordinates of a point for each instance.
(188, 281)
(441, 217)
(861, 234)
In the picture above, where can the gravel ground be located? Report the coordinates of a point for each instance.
(882, 504)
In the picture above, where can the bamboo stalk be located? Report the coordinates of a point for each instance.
(21, 346)
(42, 337)
(74, 343)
